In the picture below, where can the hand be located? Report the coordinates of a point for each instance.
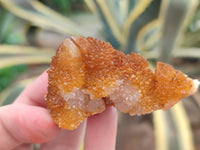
(27, 121)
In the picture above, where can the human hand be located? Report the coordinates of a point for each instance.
(27, 121)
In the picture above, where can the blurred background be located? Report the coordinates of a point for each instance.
(160, 30)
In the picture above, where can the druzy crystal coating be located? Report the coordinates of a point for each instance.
(87, 75)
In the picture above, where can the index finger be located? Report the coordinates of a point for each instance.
(101, 130)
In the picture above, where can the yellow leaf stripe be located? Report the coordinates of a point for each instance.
(110, 19)
(124, 9)
(12, 61)
(43, 21)
(145, 30)
(161, 132)
(135, 13)
(91, 5)
(183, 127)
(25, 50)
(193, 4)
(51, 13)
(192, 52)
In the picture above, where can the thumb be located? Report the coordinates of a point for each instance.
(20, 123)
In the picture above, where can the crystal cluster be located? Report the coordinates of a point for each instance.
(87, 74)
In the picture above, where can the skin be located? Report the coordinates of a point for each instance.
(28, 121)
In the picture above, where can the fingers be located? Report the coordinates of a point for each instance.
(34, 93)
(101, 131)
(20, 123)
(67, 140)
(24, 147)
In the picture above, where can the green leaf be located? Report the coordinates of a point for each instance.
(173, 120)
(45, 17)
(8, 74)
(142, 14)
(8, 32)
(131, 4)
(14, 93)
(113, 32)
(148, 37)
(173, 25)
(11, 93)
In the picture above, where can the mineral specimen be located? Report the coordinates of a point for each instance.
(87, 74)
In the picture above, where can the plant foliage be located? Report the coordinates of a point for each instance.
(154, 28)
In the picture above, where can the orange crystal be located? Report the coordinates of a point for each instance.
(87, 74)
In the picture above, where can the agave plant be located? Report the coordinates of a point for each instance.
(153, 28)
